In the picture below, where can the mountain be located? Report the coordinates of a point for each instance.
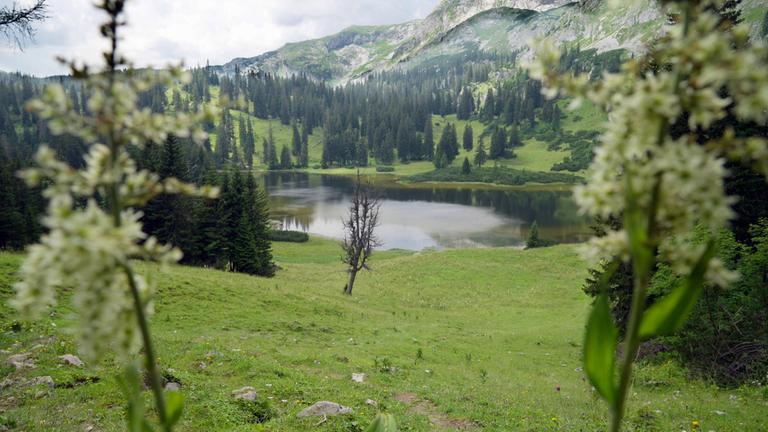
(457, 27)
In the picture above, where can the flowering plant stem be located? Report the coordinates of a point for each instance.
(115, 207)
(643, 259)
(149, 354)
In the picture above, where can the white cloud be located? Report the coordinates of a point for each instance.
(164, 31)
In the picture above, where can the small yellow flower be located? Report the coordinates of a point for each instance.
(695, 425)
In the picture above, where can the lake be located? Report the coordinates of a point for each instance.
(419, 216)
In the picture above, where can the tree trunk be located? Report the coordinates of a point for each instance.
(351, 283)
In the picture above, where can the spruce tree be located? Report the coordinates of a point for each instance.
(249, 145)
(296, 141)
(533, 237)
(272, 162)
(466, 104)
(514, 137)
(498, 143)
(481, 157)
(448, 144)
(207, 242)
(428, 150)
(489, 108)
(258, 214)
(304, 154)
(244, 258)
(468, 139)
(285, 158)
(11, 218)
(224, 138)
(440, 160)
(466, 169)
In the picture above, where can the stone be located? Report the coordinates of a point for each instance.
(172, 386)
(371, 402)
(246, 393)
(20, 361)
(42, 380)
(324, 408)
(71, 360)
(358, 377)
(8, 382)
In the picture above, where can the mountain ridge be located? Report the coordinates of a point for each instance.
(455, 27)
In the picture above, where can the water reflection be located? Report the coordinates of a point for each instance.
(418, 218)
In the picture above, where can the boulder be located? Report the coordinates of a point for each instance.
(246, 393)
(20, 361)
(71, 360)
(325, 408)
(172, 386)
(358, 377)
(42, 380)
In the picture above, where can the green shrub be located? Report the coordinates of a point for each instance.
(288, 236)
(506, 176)
(258, 411)
(384, 168)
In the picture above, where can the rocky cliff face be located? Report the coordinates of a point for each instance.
(457, 26)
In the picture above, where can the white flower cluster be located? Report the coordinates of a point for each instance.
(88, 248)
(675, 181)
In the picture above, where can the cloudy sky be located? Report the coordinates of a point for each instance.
(163, 31)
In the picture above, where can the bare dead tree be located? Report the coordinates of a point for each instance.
(359, 231)
(16, 22)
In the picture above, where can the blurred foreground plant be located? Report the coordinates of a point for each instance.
(93, 231)
(661, 183)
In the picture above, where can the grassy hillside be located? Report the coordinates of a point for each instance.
(533, 156)
(490, 337)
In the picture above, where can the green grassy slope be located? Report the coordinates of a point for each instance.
(499, 331)
(533, 156)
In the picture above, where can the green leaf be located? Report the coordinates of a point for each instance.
(383, 423)
(670, 313)
(174, 405)
(600, 348)
(130, 385)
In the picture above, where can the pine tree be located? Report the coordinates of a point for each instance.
(272, 161)
(258, 213)
(167, 216)
(11, 218)
(481, 157)
(249, 146)
(285, 158)
(468, 139)
(304, 154)
(448, 144)
(533, 240)
(514, 137)
(429, 140)
(224, 138)
(489, 108)
(207, 240)
(265, 151)
(440, 159)
(498, 143)
(466, 168)
(244, 258)
(296, 141)
(466, 104)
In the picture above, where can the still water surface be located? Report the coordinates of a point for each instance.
(416, 217)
